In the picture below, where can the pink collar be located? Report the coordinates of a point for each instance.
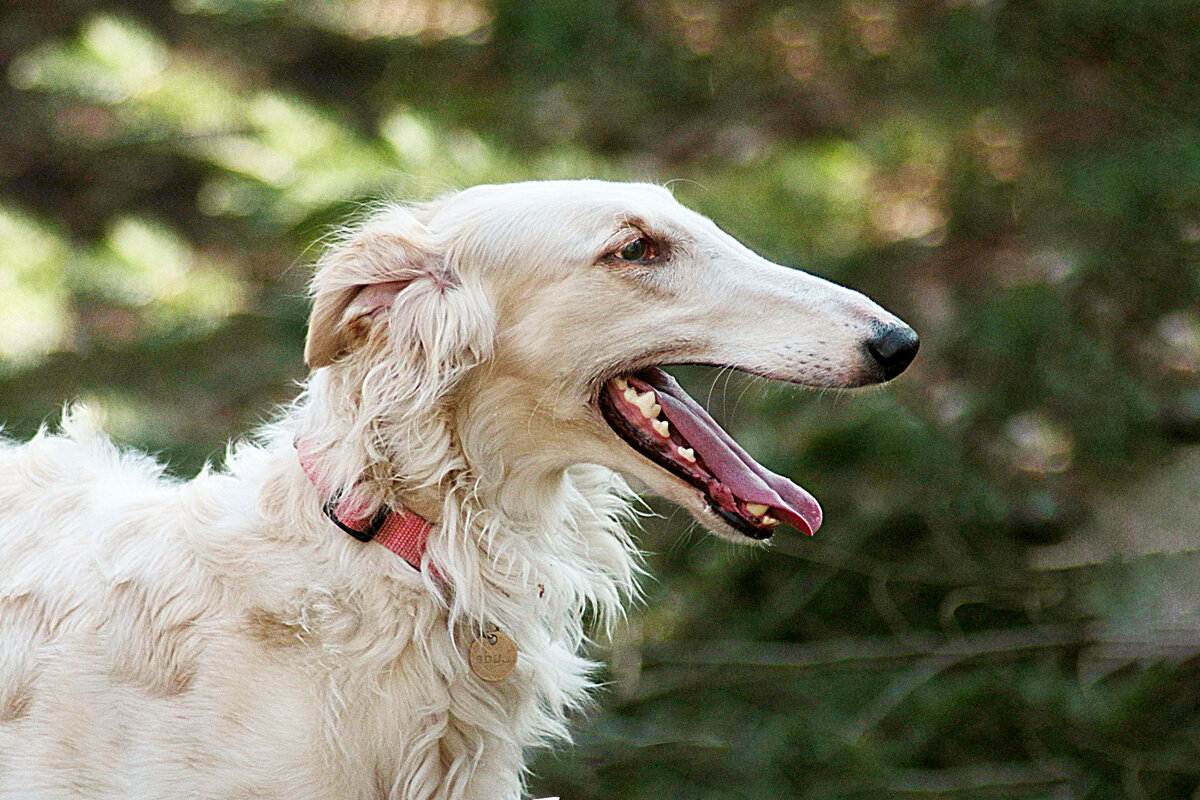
(403, 532)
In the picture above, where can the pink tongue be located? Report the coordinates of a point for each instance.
(733, 466)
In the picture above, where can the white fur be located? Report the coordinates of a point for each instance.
(219, 638)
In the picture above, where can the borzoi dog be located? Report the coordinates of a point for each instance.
(383, 595)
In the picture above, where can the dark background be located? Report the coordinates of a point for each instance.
(1003, 600)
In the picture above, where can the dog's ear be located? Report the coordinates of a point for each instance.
(392, 272)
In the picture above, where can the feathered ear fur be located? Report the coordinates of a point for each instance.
(391, 274)
(394, 326)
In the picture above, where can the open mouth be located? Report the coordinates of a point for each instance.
(656, 417)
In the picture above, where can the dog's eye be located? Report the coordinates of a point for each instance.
(637, 250)
(640, 250)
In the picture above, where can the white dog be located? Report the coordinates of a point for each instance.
(482, 368)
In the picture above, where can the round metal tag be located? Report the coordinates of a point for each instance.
(493, 656)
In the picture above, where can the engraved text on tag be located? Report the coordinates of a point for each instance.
(493, 656)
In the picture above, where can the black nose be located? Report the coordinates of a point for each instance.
(894, 347)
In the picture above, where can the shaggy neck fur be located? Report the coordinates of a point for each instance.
(533, 568)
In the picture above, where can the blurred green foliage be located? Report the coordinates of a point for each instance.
(984, 614)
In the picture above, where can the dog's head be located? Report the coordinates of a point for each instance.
(530, 321)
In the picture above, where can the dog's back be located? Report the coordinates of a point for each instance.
(77, 609)
(114, 636)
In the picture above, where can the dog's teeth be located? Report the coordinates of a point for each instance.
(769, 520)
(661, 427)
(686, 453)
(756, 509)
(621, 383)
(631, 394)
(645, 402)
